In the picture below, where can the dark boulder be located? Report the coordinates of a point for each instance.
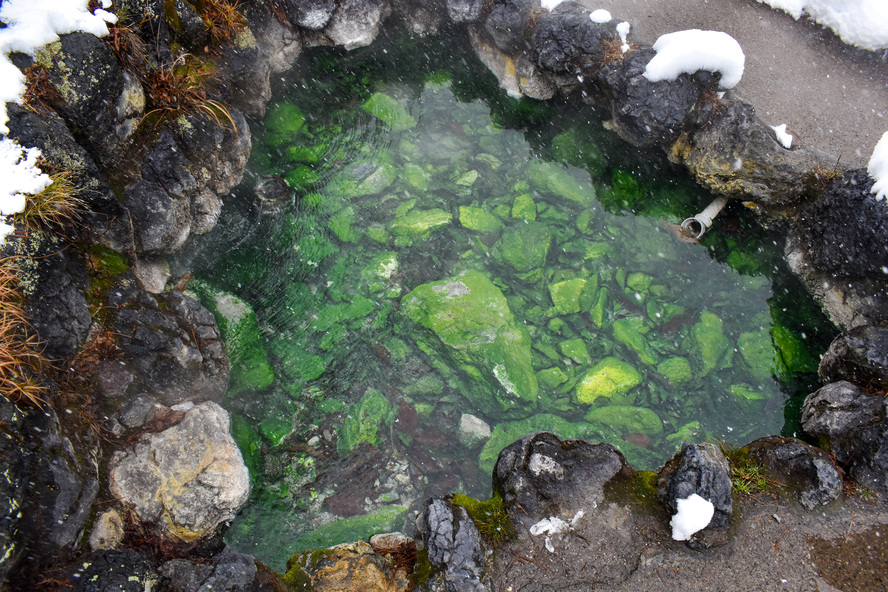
(453, 544)
(804, 469)
(355, 23)
(161, 222)
(507, 23)
(188, 26)
(309, 14)
(845, 232)
(854, 427)
(217, 154)
(234, 572)
(703, 470)
(540, 476)
(859, 356)
(420, 18)
(649, 113)
(171, 345)
(112, 571)
(566, 41)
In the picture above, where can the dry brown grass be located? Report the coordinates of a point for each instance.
(53, 208)
(21, 361)
(224, 20)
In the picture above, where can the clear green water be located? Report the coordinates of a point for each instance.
(446, 251)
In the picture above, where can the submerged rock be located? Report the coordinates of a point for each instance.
(524, 246)
(699, 469)
(611, 378)
(363, 421)
(540, 476)
(708, 345)
(507, 432)
(188, 479)
(553, 179)
(474, 328)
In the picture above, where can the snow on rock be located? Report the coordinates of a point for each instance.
(623, 32)
(19, 175)
(31, 24)
(550, 4)
(600, 16)
(685, 52)
(694, 514)
(863, 23)
(878, 168)
(784, 137)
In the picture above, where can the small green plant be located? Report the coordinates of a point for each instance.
(491, 518)
(747, 477)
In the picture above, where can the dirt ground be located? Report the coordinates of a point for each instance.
(777, 547)
(833, 97)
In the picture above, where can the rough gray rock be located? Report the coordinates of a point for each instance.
(737, 154)
(420, 19)
(565, 41)
(464, 11)
(188, 479)
(805, 469)
(112, 571)
(854, 427)
(14, 465)
(190, 29)
(454, 544)
(217, 154)
(649, 113)
(506, 23)
(171, 345)
(700, 469)
(859, 356)
(309, 14)
(540, 476)
(355, 23)
(234, 572)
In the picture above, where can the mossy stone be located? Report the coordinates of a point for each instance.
(794, 355)
(609, 378)
(250, 444)
(341, 225)
(467, 179)
(708, 345)
(389, 111)
(367, 176)
(505, 433)
(576, 350)
(626, 332)
(415, 176)
(419, 225)
(552, 377)
(363, 421)
(524, 208)
(250, 369)
(627, 419)
(689, 432)
(676, 370)
(356, 528)
(599, 310)
(757, 350)
(275, 430)
(748, 397)
(302, 177)
(566, 295)
(525, 245)
(283, 123)
(479, 219)
(553, 179)
(476, 331)
(640, 282)
(339, 314)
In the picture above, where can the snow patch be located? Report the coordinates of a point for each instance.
(600, 16)
(19, 176)
(623, 32)
(694, 514)
(550, 4)
(685, 52)
(878, 168)
(783, 136)
(863, 23)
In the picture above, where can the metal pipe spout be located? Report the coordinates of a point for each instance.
(696, 226)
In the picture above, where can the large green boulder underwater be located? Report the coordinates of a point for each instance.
(471, 328)
(250, 369)
(524, 246)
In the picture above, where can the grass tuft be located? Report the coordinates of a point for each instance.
(224, 20)
(53, 208)
(491, 518)
(747, 476)
(21, 361)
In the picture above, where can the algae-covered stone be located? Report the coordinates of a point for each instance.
(757, 350)
(250, 370)
(415, 176)
(610, 377)
(418, 225)
(627, 419)
(249, 443)
(749, 397)
(467, 179)
(794, 355)
(525, 245)
(479, 220)
(626, 332)
(341, 225)
(524, 208)
(476, 332)
(282, 124)
(368, 176)
(302, 177)
(552, 377)
(598, 312)
(337, 314)
(640, 282)
(575, 148)
(389, 111)
(708, 345)
(356, 528)
(566, 295)
(676, 370)
(363, 421)
(506, 433)
(686, 433)
(275, 430)
(550, 178)
(576, 350)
